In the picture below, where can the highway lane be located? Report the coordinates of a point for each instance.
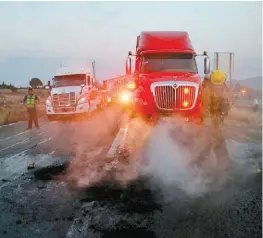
(58, 137)
(32, 205)
(18, 128)
(53, 144)
(175, 201)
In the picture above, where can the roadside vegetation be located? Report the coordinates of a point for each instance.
(12, 108)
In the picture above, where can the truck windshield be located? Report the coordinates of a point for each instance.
(168, 62)
(68, 80)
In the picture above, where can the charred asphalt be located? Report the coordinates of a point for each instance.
(40, 202)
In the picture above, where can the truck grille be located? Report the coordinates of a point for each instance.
(165, 97)
(169, 98)
(64, 99)
(185, 97)
(64, 109)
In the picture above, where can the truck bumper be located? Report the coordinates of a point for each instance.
(151, 112)
(79, 109)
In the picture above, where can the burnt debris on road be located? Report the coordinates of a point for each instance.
(72, 193)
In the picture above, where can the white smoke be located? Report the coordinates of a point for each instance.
(165, 155)
(167, 163)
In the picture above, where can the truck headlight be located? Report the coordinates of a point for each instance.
(125, 98)
(82, 100)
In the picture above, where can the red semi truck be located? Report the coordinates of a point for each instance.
(166, 75)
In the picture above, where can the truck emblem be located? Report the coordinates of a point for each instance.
(175, 85)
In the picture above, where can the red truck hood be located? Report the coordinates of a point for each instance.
(168, 76)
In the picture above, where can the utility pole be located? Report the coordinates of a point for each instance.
(231, 63)
(93, 68)
(62, 65)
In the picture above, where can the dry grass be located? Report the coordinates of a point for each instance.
(11, 105)
(17, 113)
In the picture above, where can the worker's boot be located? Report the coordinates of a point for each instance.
(31, 166)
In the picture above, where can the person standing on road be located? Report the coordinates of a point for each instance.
(255, 105)
(30, 101)
(214, 95)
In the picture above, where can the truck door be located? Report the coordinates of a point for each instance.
(94, 99)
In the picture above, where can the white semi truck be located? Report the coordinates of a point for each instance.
(69, 94)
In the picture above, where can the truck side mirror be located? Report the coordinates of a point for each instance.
(206, 65)
(128, 66)
(129, 53)
(48, 83)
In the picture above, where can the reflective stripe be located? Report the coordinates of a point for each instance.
(31, 101)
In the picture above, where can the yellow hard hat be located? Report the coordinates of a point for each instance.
(218, 77)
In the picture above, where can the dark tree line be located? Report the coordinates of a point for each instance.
(3, 85)
(34, 83)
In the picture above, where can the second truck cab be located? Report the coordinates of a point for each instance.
(69, 94)
(166, 75)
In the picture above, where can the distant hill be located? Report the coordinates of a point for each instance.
(253, 83)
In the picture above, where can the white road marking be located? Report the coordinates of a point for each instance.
(7, 183)
(23, 152)
(80, 229)
(23, 169)
(11, 124)
(20, 142)
(120, 137)
(24, 132)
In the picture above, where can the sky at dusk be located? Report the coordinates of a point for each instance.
(37, 36)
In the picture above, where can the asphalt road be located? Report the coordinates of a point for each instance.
(47, 202)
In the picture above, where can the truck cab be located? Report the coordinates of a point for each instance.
(68, 94)
(166, 75)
